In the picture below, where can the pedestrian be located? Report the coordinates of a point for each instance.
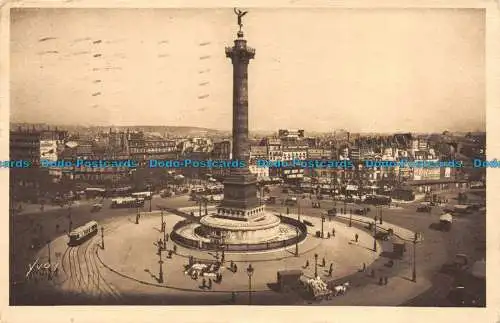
(166, 237)
(307, 263)
(210, 283)
(330, 272)
(175, 248)
(356, 237)
(323, 262)
(328, 235)
(380, 220)
(235, 268)
(381, 281)
(333, 232)
(331, 267)
(203, 283)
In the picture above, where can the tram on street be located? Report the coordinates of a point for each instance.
(83, 233)
(378, 200)
(127, 202)
(143, 195)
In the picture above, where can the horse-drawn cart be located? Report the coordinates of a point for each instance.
(317, 288)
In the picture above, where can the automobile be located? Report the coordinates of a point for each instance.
(424, 208)
(459, 264)
(291, 201)
(271, 200)
(448, 209)
(308, 223)
(360, 211)
(96, 207)
(384, 236)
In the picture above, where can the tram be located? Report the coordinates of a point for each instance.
(127, 202)
(82, 233)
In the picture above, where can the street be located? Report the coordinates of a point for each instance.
(467, 236)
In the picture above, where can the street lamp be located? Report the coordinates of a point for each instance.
(50, 263)
(350, 218)
(296, 241)
(160, 278)
(162, 223)
(200, 201)
(298, 210)
(375, 236)
(70, 224)
(414, 273)
(322, 225)
(260, 191)
(102, 237)
(315, 265)
(137, 216)
(250, 271)
(150, 203)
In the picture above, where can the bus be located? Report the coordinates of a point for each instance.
(93, 192)
(119, 191)
(378, 200)
(127, 202)
(143, 195)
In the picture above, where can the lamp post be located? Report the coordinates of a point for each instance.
(322, 225)
(250, 271)
(151, 203)
(70, 223)
(102, 237)
(162, 223)
(260, 191)
(350, 218)
(315, 265)
(199, 201)
(414, 273)
(137, 216)
(50, 263)
(206, 206)
(160, 276)
(296, 241)
(298, 210)
(375, 236)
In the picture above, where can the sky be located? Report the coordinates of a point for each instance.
(364, 70)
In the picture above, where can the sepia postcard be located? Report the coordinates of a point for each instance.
(320, 162)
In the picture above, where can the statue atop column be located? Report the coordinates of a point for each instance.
(240, 15)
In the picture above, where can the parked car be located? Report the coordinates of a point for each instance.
(424, 208)
(360, 211)
(96, 207)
